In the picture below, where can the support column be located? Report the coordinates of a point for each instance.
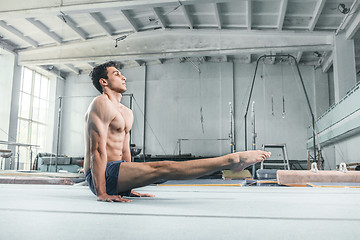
(145, 91)
(14, 111)
(344, 66)
(59, 91)
(226, 96)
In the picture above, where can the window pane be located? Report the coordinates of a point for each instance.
(24, 156)
(44, 88)
(43, 111)
(34, 133)
(36, 109)
(31, 123)
(41, 136)
(23, 131)
(37, 85)
(27, 81)
(25, 105)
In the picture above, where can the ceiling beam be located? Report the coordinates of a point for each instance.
(159, 17)
(205, 43)
(69, 22)
(187, 16)
(77, 42)
(353, 27)
(318, 9)
(130, 20)
(72, 68)
(218, 15)
(299, 56)
(18, 34)
(328, 63)
(139, 62)
(283, 8)
(45, 30)
(50, 72)
(101, 23)
(248, 58)
(91, 64)
(121, 57)
(14, 9)
(248, 14)
(7, 47)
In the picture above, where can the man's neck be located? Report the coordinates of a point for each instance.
(114, 97)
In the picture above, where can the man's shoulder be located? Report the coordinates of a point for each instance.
(100, 101)
(101, 97)
(102, 106)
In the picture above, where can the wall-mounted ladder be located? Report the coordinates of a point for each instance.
(270, 162)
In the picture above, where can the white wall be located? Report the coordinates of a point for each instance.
(344, 151)
(77, 94)
(136, 86)
(176, 92)
(6, 82)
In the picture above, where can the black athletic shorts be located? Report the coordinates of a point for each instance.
(111, 177)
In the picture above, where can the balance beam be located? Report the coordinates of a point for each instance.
(300, 178)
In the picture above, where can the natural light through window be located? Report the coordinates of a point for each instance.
(33, 109)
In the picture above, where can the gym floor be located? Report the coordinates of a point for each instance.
(180, 212)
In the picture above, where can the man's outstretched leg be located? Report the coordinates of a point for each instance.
(134, 175)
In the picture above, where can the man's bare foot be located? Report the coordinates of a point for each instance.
(241, 160)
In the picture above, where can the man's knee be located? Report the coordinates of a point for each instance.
(163, 169)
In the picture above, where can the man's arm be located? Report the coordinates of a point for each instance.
(99, 120)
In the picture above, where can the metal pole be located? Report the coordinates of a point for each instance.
(247, 109)
(18, 158)
(58, 135)
(308, 102)
(234, 106)
(131, 105)
(253, 135)
(248, 103)
(144, 135)
(231, 135)
(31, 153)
(303, 85)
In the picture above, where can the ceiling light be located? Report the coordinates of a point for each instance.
(317, 54)
(343, 9)
(120, 39)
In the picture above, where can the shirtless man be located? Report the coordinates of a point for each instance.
(107, 146)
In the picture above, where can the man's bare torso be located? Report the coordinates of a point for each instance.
(118, 125)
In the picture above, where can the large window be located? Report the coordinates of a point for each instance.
(33, 110)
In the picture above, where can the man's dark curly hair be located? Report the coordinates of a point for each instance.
(101, 72)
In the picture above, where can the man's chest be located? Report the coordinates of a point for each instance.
(122, 121)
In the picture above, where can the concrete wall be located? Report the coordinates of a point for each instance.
(76, 96)
(6, 83)
(345, 151)
(182, 103)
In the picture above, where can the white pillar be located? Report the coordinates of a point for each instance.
(344, 66)
(14, 112)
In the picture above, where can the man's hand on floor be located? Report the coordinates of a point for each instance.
(136, 194)
(112, 198)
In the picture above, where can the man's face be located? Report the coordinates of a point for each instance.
(116, 81)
